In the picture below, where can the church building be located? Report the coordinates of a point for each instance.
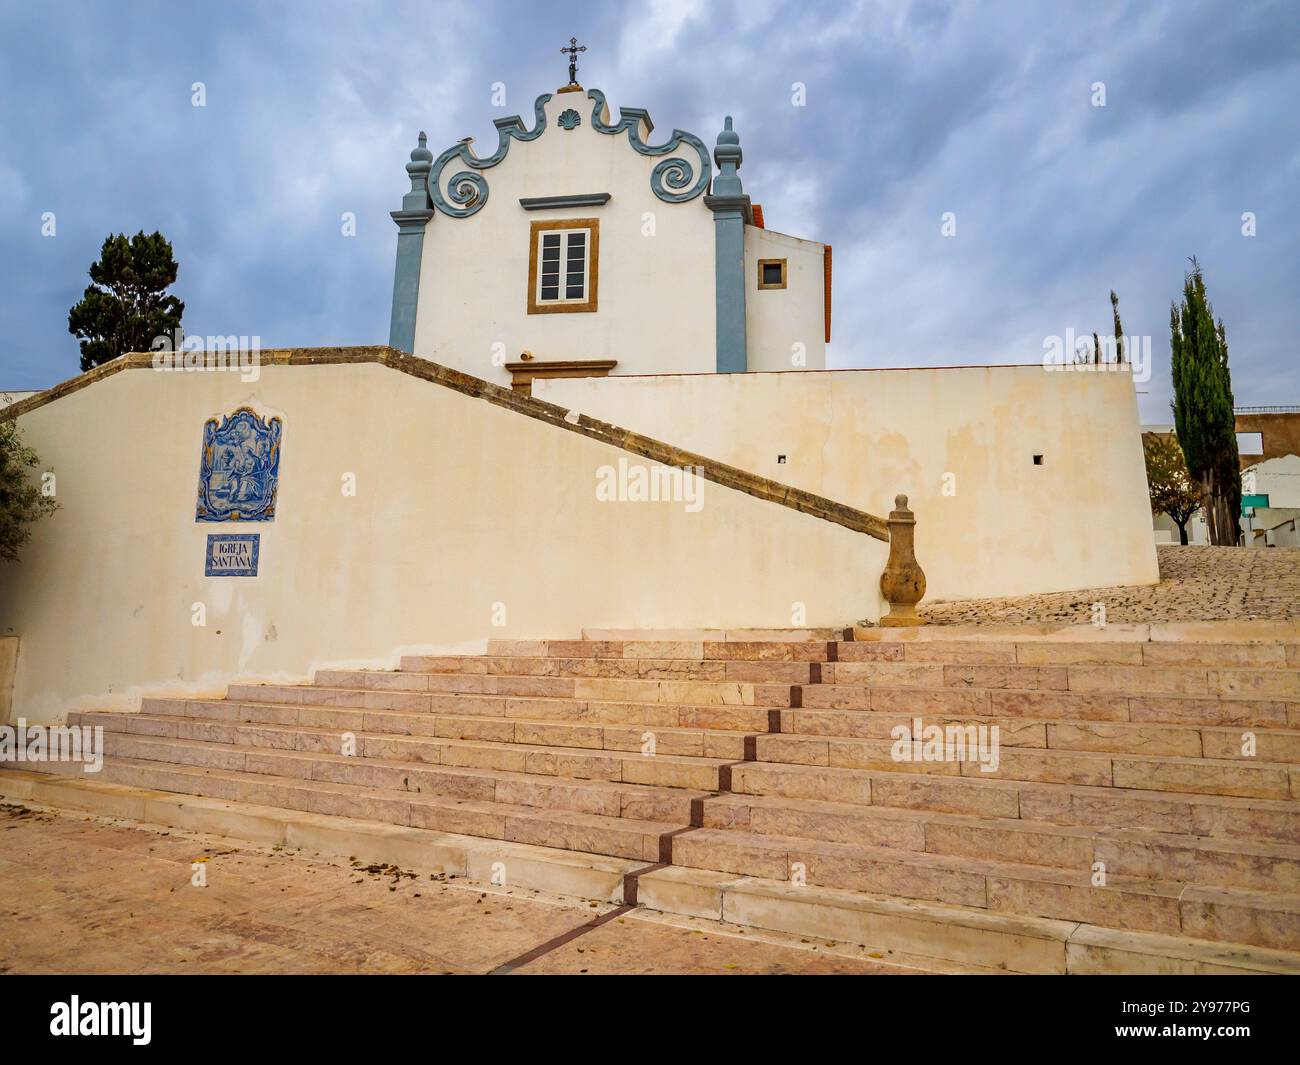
(580, 247)
(595, 580)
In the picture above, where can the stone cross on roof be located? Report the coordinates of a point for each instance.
(572, 52)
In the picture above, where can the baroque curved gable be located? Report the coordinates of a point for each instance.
(674, 179)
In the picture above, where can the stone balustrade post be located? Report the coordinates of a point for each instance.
(902, 583)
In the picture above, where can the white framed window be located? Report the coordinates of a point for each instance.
(563, 265)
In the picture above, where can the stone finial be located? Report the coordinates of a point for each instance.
(728, 157)
(903, 582)
(418, 170)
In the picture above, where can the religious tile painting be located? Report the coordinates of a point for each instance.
(240, 468)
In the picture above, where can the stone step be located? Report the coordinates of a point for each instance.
(411, 692)
(623, 837)
(799, 645)
(610, 799)
(1061, 804)
(1121, 679)
(327, 733)
(999, 941)
(967, 936)
(1117, 737)
(659, 771)
(1213, 776)
(1269, 655)
(1055, 705)
(1263, 919)
(647, 715)
(775, 672)
(1212, 862)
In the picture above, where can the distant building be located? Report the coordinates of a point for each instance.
(1268, 443)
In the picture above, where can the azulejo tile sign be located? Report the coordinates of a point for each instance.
(232, 555)
(240, 468)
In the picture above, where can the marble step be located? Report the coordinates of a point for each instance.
(1263, 919)
(591, 833)
(413, 717)
(608, 798)
(1263, 655)
(1120, 737)
(1055, 705)
(663, 771)
(778, 672)
(409, 686)
(697, 649)
(1207, 861)
(324, 730)
(1259, 655)
(1063, 804)
(1252, 778)
(1121, 679)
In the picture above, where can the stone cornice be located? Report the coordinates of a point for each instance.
(647, 447)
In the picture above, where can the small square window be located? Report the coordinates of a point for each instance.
(771, 273)
(563, 265)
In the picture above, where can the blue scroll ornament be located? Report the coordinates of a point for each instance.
(675, 179)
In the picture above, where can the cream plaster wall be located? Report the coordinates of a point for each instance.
(1080, 520)
(460, 505)
(656, 290)
(778, 319)
(8, 664)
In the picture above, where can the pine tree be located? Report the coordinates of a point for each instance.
(126, 307)
(1203, 406)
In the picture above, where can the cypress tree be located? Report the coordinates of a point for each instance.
(1119, 328)
(1202, 407)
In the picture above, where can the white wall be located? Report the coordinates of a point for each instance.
(656, 292)
(777, 319)
(460, 505)
(958, 441)
(1279, 479)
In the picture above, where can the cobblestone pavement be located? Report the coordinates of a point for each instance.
(89, 895)
(1196, 584)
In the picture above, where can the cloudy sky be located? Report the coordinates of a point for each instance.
(912, 109)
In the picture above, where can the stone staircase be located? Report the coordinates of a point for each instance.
(771, 757)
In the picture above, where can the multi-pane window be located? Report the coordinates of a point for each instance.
(562, 266)
(563, 274)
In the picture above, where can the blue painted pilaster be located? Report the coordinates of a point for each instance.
(411, 222)
(731, 211)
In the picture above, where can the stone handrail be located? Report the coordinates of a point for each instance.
(647, 447)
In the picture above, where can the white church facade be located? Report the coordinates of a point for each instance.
(582, 246)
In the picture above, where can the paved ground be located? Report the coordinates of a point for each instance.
(81, 895)
(1196, 584)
